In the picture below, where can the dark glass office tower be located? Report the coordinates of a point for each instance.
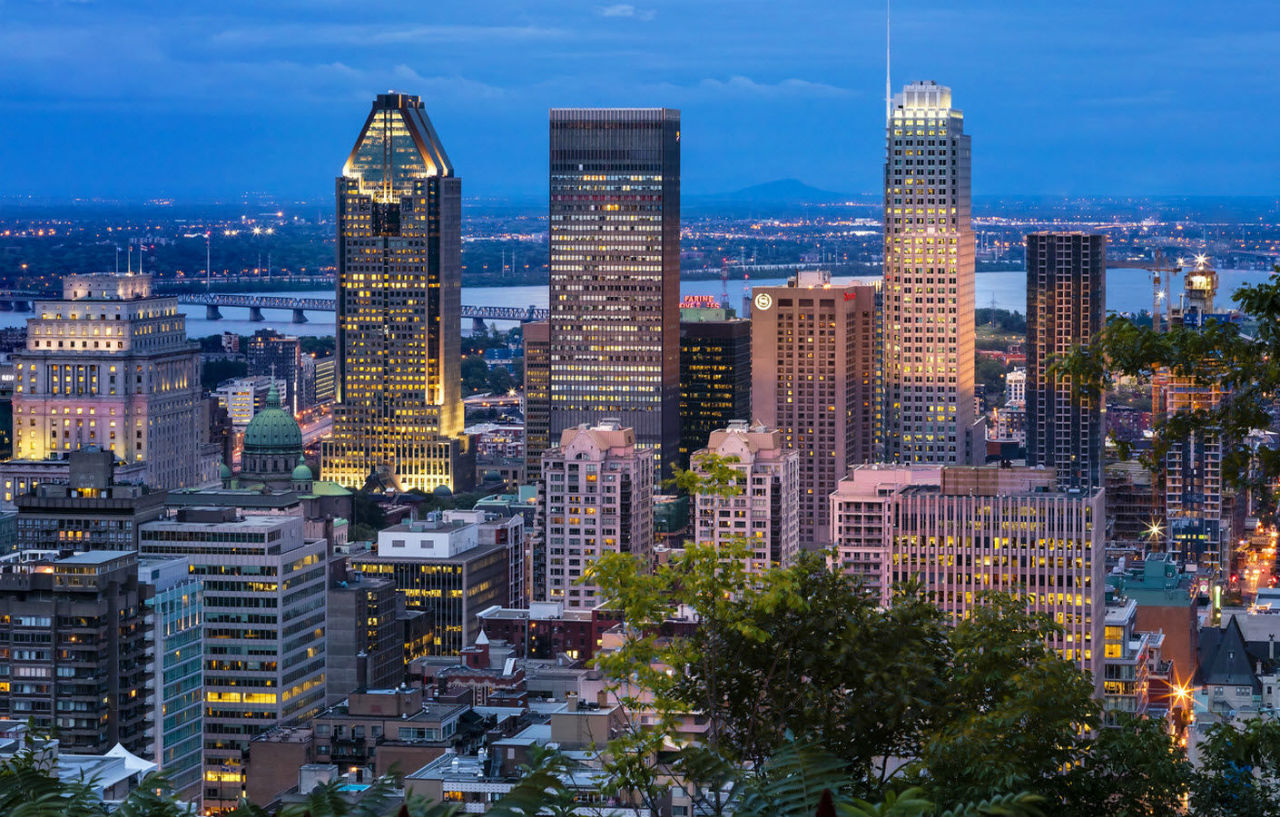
(399, 308)
(1066, 307)
(715, 376)
(615, 273)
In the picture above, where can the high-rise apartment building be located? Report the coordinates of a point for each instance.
(275, 355)
(264, 628)
(928, 282)
(1010, 530)
(813, 364)
(597, 499)
(108, 365)
(1066, 308)
(399, 305)
(615, 273)
(174, 640)
(765, 514)
(537, 402)
(715, 375)
(74, 660)
(860, 522)
(1198, 529)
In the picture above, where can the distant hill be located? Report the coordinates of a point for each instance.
(781, 191)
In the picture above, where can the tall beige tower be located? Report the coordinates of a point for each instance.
(813, 355)
(928, 282)
(399, 292)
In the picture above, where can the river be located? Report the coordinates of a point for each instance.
(1128, 290)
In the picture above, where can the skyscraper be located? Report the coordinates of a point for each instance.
(813, 361)
(597, 499)
(399, 307)
(278, 356)
(928, 282)
(108, 365)
(1066, 307)
(537, 406)
(715, 374)
(615, 273)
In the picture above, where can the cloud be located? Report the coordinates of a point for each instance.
(367, 35)
(626, 10)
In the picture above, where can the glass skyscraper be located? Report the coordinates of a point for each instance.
(399, 411)
(928, 282)
(615, 273)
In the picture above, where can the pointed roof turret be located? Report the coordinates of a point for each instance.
(397, 145)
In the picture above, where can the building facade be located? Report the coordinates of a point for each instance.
(765, 515)
(108, 365)
(275, 355)
(1006, 529)
(537, 396)
(90, 512)
(264, 617)
(440, 568)
(615, 273)
(860, 520)
(597, 499)
(814, 350)
(1066, 308)
(715, 376)
(175, 666)
(243, 397)
(76, 659)
(928, 282)
(399, 308)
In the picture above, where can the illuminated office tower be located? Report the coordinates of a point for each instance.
(264, 628)
(615, 273)
(109, 366)
(928, 282)
(715, 372)
(1066, 308)
(537, 408)
(399, 410)
(813, 360)
(1008, 530)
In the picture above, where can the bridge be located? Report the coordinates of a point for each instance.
(214, 303)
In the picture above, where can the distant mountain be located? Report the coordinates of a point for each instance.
(781, 191)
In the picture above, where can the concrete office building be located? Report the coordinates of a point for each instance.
(90, 512)
(928, 282)
(440, 568)
(813, 377)
(766, 512)
(597, 499)
(244, 397)
(107, 365)
(1006, 529)
(264, 615)
(1066, 308)
(715, 375)
(174, 639)
(615, 273)
(75, 660)
(399, 305)
(364, 649)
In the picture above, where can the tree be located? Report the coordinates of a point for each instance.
(1133, 769)
(475, 373)
(1245, 367)
(1239, 774)
(500, 380)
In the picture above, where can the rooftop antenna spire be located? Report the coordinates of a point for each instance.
(888, 87)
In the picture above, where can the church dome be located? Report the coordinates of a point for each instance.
(302, 473)
(224, 471)
(273, 430)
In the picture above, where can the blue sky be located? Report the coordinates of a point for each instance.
(135, 98)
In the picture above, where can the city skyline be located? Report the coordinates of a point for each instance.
(1101, 112)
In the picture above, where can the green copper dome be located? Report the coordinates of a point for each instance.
(224, 471)
(302, 473)
(273, 430)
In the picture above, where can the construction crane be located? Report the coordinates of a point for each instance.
(1162, 276)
